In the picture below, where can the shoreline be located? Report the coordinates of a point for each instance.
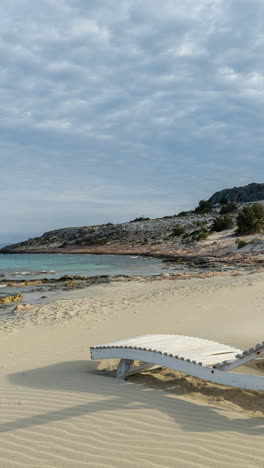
(209, 282)
(198, 255)
(36, 287)
(57, 287)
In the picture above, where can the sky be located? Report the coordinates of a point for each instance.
(116, 109)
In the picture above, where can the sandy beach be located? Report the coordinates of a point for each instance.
(60, 409)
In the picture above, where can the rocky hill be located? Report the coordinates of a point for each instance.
(133, 236)
(248, 193)
(187, 234)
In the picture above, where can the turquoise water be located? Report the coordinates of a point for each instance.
(36, 266)
(56, 265)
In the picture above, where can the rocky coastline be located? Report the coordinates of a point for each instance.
(187, 237)
(217, 250)
(73, 282)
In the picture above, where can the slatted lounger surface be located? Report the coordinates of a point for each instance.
(194, 356)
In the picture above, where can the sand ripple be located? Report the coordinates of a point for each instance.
(58, 410)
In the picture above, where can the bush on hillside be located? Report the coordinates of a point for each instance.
(240, 243)
(141, 218)
(222, 223)
(182, 213)
(228, 208)
(224, 201)
(250, 220)
(199, 234)
(178, 230)
(203, 207)
(200, 223)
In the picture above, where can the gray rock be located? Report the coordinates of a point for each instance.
(248, 193)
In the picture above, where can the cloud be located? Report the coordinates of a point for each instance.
(163, 104)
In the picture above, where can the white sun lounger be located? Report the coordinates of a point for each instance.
(194, 356)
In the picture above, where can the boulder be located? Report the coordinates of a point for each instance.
(21, 309)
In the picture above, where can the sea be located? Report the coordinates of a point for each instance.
(38, 266)
(57, 265)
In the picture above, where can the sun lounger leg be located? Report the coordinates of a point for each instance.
(198, 357)
(123, 368)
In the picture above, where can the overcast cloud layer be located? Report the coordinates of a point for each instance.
(111, 110)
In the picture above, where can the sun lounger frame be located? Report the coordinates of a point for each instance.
(217, 373)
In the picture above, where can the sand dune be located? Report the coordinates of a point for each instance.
(59, 410)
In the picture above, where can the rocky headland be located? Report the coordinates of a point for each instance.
(187, 237)
(248, 193)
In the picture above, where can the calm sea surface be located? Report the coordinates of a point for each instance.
(56, 265)
(25, 267)
(37, 266)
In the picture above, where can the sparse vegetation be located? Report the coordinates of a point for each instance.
(241, 243)
(141, 218)
(178, 230)
(203, 207)
(224, 201)
(199, 234)
(182, 213)
(250, 220)
(221, 223)
(200, 223)
(228, 208)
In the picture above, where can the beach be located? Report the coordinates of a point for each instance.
(60, 409)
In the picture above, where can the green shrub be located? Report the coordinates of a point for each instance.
(182, 213)
(141, 218)
(223, 201)
(250, 220)
(202, 235)
(228, 208)
(222, 223)
(203, 207)
(178, 230)
(240, 243)
(199, 234)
